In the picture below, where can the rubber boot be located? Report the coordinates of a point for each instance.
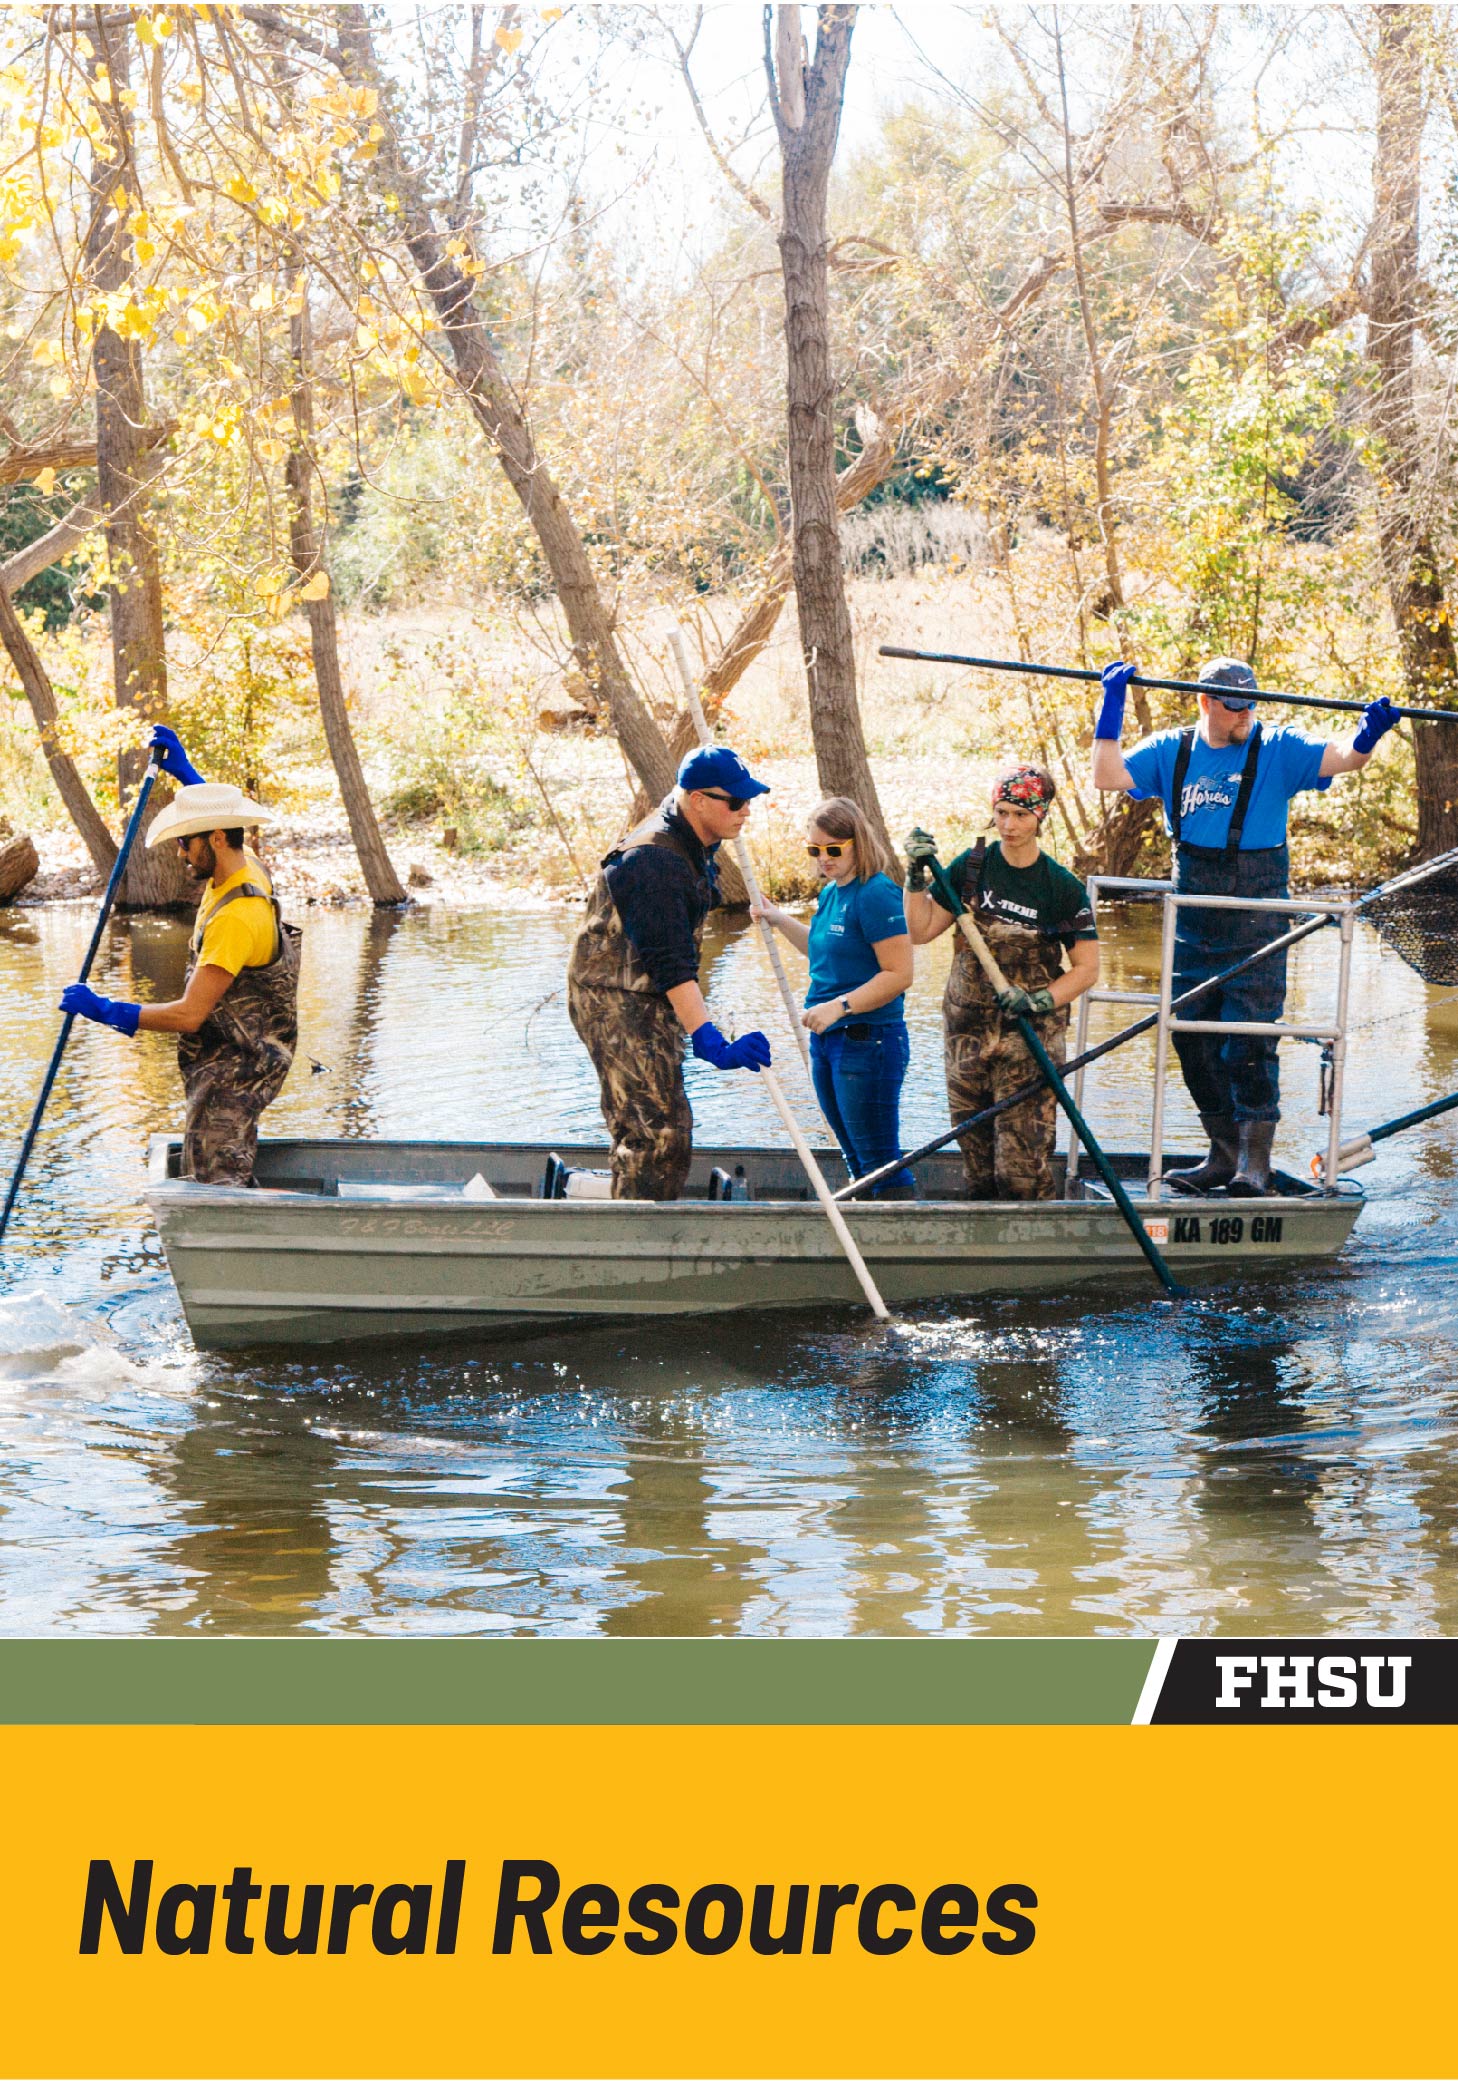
(1254, 1175)
(1219, 1167)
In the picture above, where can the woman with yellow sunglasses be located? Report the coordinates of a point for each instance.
(860, 971)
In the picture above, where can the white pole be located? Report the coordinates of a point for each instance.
(823, 1194)
(772, 1084)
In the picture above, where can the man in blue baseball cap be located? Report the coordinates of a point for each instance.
(633, 978)
(1225, 784)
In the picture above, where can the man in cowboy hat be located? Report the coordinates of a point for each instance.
(237, 1018)
(1225, 784)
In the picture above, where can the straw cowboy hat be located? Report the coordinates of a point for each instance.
(206, 806)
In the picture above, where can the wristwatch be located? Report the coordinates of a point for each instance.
(846, 1004)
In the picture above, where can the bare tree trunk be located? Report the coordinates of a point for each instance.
(70, 787)
(1405, 497)
(383, 884)
(807, 148)
(483, 383)
(134, 581)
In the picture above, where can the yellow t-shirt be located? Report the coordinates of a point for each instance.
(243, 937)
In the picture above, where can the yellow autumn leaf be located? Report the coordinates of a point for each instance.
(509, 40)
(267, 584)
(45, 481)
(241, 189)
(317, 588)
(263, 298)
(198, 320)
(145, 251)
(119, 197)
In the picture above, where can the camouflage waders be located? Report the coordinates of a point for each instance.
(235, 1064)
(1011, 1158)
(633, 1035)
(636, 1045)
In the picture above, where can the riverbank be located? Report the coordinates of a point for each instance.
(490, 790)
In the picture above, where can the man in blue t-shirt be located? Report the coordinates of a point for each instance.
(1225, 784)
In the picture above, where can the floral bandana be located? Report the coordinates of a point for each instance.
(1026, 789)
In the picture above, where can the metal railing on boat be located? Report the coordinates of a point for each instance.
(1332, 1036)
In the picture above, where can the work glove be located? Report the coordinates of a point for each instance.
(1109, 722)
(166, 748)
(1024, 1004)
(920, 847)
(750, 1052)
(108, 1012)
(1378, 719)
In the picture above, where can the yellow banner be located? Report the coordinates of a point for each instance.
(910, 1902)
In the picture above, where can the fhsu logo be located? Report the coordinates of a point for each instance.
(1331, 1682)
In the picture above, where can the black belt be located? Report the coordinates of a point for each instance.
(1187, 851)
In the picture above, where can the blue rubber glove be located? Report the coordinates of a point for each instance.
(107, 1012)
(1381, 716)
(750, 1052)
(1109, 723)
(1025, 1003)
(166, 747)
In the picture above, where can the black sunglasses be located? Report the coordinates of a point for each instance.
(734, 802)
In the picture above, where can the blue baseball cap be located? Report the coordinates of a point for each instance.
(1220, 674)
(715, 766)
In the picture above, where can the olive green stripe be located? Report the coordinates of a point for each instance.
(511, 1683)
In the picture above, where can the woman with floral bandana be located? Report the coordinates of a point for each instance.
(1037, 920)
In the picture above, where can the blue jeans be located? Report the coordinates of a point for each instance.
(1238, 1077)
(858, 1069)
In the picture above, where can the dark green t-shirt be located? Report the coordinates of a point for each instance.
(1044, 898)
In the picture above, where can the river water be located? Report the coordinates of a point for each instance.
(1279, 1459)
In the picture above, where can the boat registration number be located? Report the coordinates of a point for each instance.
(1216, 1229)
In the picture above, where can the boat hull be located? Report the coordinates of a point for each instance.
(376, 1241)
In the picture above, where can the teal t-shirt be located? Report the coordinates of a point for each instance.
(850, 918)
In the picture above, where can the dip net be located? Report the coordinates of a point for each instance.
(1416, 914)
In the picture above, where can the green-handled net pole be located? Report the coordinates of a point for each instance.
(949, 900)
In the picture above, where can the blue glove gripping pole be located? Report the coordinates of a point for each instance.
(949, 900)
(118, 869)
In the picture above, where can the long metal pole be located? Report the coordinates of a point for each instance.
(134, 825)
(1079, 672)
(1339, 1052)
(1163, 1016)
(949, 900)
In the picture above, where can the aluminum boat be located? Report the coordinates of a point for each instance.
(371, 1240)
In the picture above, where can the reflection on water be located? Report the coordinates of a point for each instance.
(1275, 1460)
